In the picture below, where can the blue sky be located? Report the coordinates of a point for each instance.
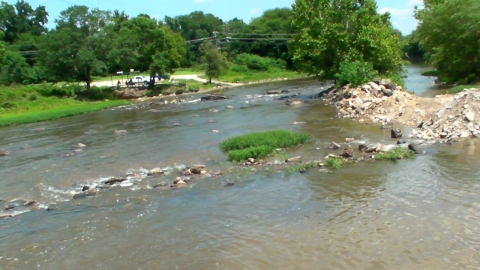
(401, 10)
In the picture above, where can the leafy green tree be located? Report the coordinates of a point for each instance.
(334, 31)
(449, 33)
(411, 47)
(15, 70)
(145, 44)
(215, 62)
(76, 49)
(21, 18)
(2, 48)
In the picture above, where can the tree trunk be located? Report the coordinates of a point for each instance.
(88, 71)
(210, 80)
(152, 80)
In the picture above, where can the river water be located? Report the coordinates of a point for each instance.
(422, 213)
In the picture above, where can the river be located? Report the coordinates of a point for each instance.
(422, 213)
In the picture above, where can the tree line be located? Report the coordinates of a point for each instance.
(333, 39)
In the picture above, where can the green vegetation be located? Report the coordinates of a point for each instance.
(411, 48)
(460, 88)
(299, 167)
(432, 72)
(395, 154)
(334, 162)
(333, 34)
(355, 73)
(34, 103)
(214, 62)
(448, 32)
(260, 144)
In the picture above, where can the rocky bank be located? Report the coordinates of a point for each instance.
(443, 118)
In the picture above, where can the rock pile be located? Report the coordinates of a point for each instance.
(458, 119)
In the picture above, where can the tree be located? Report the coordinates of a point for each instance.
(15, 70)
(332, 32)
(76, 49)
(2, 48)
(215, 61)
(145, 44)
(449, 32)
(21, 18)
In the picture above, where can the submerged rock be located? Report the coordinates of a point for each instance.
(120, 131)
(4, 216)
(4, 153)
(413, 147)
(114, 180)
(214, 97)
(78, 145)
(293, 101)
(86, 193)
(229, 107)
(10, 207)
(362, 147)
(294, 159)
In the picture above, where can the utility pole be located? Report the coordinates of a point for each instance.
(228, 40)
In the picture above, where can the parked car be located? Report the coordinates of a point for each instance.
(163, 76)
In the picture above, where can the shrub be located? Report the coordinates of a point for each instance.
(8, 105)
(255, 62)
(334, 162)
(239, 68)
(460, 88)
(355, 73)
(194, 87)
(32, 97)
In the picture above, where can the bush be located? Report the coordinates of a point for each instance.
(9, 105)
(194, 87)
(32, 97)
(239, 68)
(355, 73)
(334, 162)
(255, 62)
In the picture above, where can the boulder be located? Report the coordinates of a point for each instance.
(86, 193)
(180, 183)
(4, 153)
(401, 142)
(114, 180)
(214, 97)
(349, 139)
(470, 116)
(347, 152)
(362, 147)
(85, 188)
(395, 133)
(155, 171)
(413, 147)
(334, 145)
(375, 86)
(387, 92)
(196, 170)
(294, 159)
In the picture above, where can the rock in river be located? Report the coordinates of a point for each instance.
(347, 152)
(334, 145)
(120, 131)
(214, 97)
(395, 133)
(413, 147)
(362, 147)
(78, 145)
(4, 153)
(114, 180)
(155, 171)
(86, 193)
(293, 101)
(294, 159)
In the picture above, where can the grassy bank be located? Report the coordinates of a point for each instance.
(260, 144)
(460, 88)
(35, 103)
(250, 76)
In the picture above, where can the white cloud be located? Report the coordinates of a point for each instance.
(202, 1)
(412, 3)
(254, 11)
(397, 12)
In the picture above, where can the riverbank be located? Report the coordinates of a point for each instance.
(36, 103)
(443, 118)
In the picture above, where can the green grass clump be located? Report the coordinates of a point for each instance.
(460, 88)
(301, 167)
(251, 152)
(56, 112)
(432, 72)
(395, 154)
(260, 144)
(249, 75)
(334, 162)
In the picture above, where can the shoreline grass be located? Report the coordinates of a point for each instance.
(260, 144)
(395, 154)
(430, 73)
(250, 76)
(460, 88)
(57, 113)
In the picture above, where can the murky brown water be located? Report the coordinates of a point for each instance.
(421, 213)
